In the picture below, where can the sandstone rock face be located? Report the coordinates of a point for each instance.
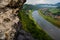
(10, 26)
(9, 18)
(3, 3)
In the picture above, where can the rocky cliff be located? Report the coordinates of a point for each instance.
(8, 18)
(10, 26)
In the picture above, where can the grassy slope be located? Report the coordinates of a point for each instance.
(30, 26)
(54, 10)
(53, 21)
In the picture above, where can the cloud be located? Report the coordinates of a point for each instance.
(42, 1)
(36, 1)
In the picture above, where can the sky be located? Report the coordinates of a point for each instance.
(42, 1)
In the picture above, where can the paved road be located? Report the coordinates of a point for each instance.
(49, 28)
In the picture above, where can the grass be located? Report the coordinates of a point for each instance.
(50, 19)
(54, 10)
(31, 26)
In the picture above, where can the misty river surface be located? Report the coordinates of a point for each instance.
(49, 28)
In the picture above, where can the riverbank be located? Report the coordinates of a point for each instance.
(31, 26)
(48, 18)
(49, 28)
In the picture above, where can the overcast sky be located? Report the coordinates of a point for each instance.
(42, 1)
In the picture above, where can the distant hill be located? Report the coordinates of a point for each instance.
(30, 7)
(38, 6)
(58, 4)
(46, 5)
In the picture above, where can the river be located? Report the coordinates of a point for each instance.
(49, 28)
